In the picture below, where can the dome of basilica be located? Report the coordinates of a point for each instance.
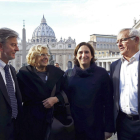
(43, 30)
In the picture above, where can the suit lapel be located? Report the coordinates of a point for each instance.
(116, 77)
(4, 90)
(139, 86)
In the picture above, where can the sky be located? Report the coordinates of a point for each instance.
(77, 19)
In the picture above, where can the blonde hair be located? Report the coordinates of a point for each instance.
(34, 52)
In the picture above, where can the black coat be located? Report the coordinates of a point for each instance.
(91, 99)
(5, 108)
(34, 91)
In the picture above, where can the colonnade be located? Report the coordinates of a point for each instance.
(105, 65)
(105, 62)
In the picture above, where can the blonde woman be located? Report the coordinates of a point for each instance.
(36, 83)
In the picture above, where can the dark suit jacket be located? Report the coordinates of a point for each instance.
(5, 109)
(115, 76)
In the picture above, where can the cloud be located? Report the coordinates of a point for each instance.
(36, 1)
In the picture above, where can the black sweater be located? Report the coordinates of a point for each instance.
(91, 99)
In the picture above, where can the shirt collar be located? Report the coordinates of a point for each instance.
(2, 64)
(134, 57)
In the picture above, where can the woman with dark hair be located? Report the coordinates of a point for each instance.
(90, 96)
(36, 82)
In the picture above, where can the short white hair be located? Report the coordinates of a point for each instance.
(132, 32)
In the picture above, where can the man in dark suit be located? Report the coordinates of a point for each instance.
(125, 75)
(10, 97)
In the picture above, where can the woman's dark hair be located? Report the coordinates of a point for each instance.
(91, 50)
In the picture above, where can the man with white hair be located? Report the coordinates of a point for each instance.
(10, 96)
(125, 75)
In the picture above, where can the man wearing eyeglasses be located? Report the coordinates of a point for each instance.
(125, 75)
(10, 96)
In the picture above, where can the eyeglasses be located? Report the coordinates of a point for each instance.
(124, 39)
(44, 55)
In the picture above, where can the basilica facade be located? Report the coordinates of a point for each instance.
(61, 51)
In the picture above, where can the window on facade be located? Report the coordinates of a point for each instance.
(102, 52)
(69, 56)
(101, 46)
(53, 45)
(53, 57)
(60, 46)
(69, 45)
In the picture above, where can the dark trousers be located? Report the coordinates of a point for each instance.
(127, 128)
(94, 135)
(81, 136)
(11, 135)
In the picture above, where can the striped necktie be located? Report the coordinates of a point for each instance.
(11, 92)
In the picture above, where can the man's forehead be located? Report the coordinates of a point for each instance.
(12, 39)
(123, 34)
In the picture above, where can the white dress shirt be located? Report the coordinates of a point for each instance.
(129, 85)
(2, 65)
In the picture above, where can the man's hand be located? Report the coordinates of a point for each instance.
(49, 102)
(108, 135)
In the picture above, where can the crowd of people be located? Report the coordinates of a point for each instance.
(100, 104)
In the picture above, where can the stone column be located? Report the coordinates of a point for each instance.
(98, 64)
(107, 66)
(103, 64)
(57, 58)
(64, 61)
